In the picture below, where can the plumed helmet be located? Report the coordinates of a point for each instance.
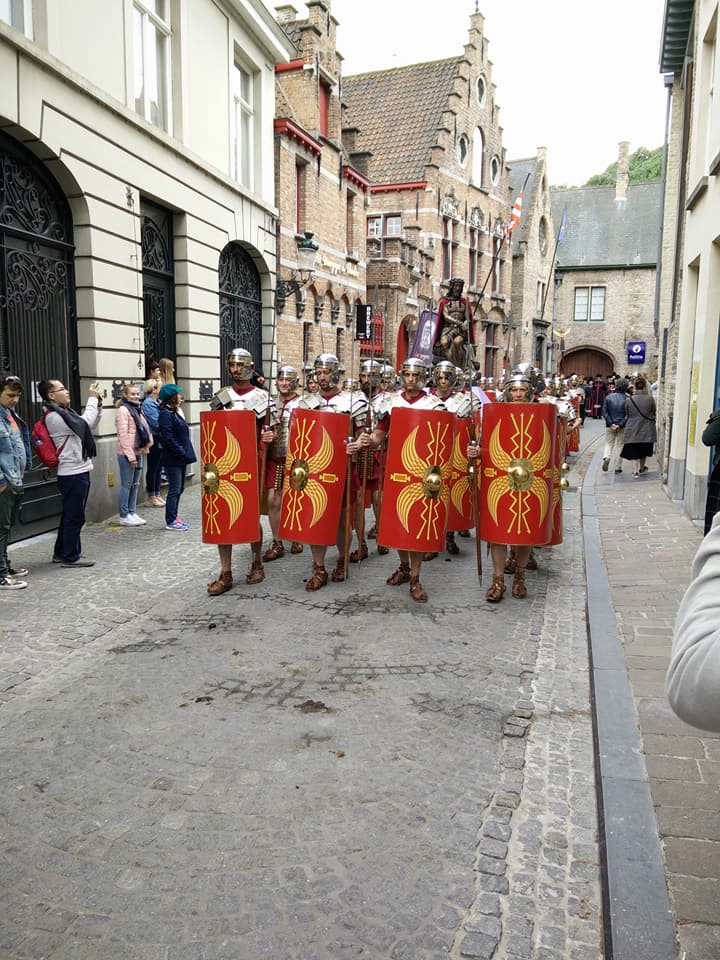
(290, 373)
(239, 355)
(447, 369)
(328, 361)
(416, 365)
(518, 380)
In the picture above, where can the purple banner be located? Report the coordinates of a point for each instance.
(422, 345)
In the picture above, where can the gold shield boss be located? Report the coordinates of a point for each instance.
(229, 477)
(517, 473)
(314, 480)
(417, 474)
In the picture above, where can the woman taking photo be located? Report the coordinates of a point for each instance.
(133, 440)
(177, 451)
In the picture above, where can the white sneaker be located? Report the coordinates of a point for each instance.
(138, 520)
(12, 583)
(129, 521)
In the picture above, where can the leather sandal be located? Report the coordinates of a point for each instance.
(360, 554)
(274, 552)
(531, 564)
(318, 579)
(401, 575)
(257, 573)
(383, 551)
(496, 590)
(223, 583)
(429, 555)
(450, 544)
(372, 532)
(338, 574)
(416, 590)
(510, 564)
(296, 547)
(519, 590)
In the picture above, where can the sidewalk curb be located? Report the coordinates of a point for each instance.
(638, 921)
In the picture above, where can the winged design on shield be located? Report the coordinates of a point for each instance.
(427, 481)
(521, 467)
(301, 479)
(216, 476)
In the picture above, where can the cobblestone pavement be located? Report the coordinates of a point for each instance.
(277, 774)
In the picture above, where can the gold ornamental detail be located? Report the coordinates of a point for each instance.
(427, 480)
(215, 469)
(520, 472)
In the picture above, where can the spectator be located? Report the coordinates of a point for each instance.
(153, 471)
(177, 451)
(693, 677)
(167, 370)
(640, 434)
(13, 461)
(711, 438)
(615, 415)
(72, 435)
(133, 440)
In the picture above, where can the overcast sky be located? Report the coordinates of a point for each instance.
(571, 76)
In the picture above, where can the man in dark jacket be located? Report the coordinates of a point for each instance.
(613, 411)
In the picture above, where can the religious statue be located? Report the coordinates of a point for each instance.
(454, 340)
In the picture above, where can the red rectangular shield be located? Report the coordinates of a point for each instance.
(314, 482)
(517, 473)
(417, 474)
(229, 481)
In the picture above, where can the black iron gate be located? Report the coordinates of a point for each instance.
(158, 282)
(240, 305)
(37, 305)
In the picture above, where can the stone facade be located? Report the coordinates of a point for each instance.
(105, 152)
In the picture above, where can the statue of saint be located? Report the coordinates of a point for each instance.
(454, 340)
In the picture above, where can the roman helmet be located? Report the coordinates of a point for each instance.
(446, 368)
(290, 373)
(418, 366)
(328, 361)
(518, 380)
(388, 376)
(239, 355)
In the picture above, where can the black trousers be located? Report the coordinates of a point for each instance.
(74, 492)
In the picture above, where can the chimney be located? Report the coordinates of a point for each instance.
(285, 14)
(623, 170)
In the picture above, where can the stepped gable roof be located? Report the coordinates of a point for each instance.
(397, 113)
(602, 231)
(518, 171)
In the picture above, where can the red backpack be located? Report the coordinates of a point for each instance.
(43, 445)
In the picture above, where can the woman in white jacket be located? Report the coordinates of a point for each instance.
(134, 438)
(693, 677)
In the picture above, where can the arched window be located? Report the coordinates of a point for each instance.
(240, 305)
(478, 153)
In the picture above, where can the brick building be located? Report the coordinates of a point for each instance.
(317, 190)
(427, 138)
(605, 275)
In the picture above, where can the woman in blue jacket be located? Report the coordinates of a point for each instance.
(177, 451)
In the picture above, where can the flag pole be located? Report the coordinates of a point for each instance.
(558, 241)
(513, 222)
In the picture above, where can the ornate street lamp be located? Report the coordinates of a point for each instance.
(301, 275)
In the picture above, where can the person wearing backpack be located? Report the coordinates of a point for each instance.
(71, 433)
(13, 461)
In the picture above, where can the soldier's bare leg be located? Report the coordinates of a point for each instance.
(319, 576)
(277, 547)
(225, 581)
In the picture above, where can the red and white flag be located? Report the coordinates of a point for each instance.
(515, 215)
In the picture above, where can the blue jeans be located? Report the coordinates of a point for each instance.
(153, 469)
(74, 492)
(129, 484)
(176, 484)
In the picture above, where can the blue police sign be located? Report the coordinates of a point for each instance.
(636, 351)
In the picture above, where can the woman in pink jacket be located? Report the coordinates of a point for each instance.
(134, 438)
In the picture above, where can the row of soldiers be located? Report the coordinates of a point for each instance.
(368, 404)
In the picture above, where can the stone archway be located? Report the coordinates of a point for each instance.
(587, 361)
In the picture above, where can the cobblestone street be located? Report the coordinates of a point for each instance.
(277, 774)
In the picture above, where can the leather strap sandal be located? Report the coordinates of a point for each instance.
(496, 590)
(372, 532)
(318, 579)
(274, 552)
(296, 547)
(257, 573)
(416, 590)
(360, 554)
(519, 590)
(383, 551)
(510, 564)
(223, 583)
(450, 544)
(532, 563)
(401, 575)
(338, 574)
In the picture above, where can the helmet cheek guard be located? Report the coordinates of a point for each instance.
(290, 373)
(417, 366)
(239, 355)
(447, 368)
(328, 361)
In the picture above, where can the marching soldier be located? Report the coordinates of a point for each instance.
(242, 395)
(368, 461)
(287, 400)
(413, 374)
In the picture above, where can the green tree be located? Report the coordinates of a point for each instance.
(644, 165)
